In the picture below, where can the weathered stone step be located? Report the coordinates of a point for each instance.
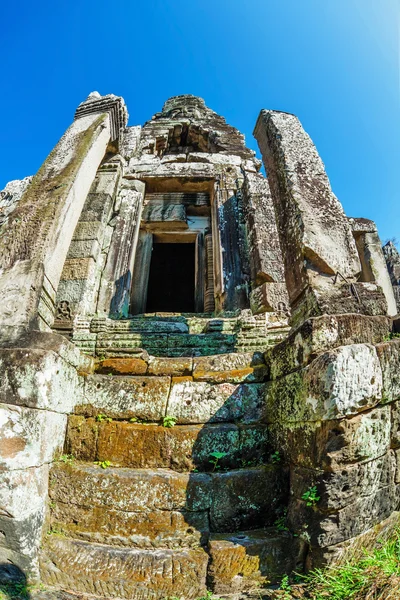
(181, 448)
(221, 368)
(232, 564)
(83, 495)
(150, 398)
(112, 572)
(245, 560)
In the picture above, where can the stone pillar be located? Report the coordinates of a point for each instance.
(392, 258)
(231, 267)
(372, 259)
(266, 264)
(319, 251)
(80, 280)
(41, 372)
(116, 283)
(35, 240)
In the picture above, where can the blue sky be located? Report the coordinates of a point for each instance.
(334, 63)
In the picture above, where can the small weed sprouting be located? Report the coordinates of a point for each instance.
(67, 459)
(249, 463)
(280, 522)
(215, 458)
(136, 421)
(100, 418)
(102, 463)
(54, 530)
(169, 421)
(276, 457)
(311, 496)
(208, 596)
(286, 587)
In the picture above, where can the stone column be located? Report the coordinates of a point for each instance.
(319, 251)
(41, 372)
(35, 240)
(372, 259)
(80, 280)
(392, 258)
(116, 283)
(231, 268)
(266, 264)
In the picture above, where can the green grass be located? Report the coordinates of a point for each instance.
(375, 576)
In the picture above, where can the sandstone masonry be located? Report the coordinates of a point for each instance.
(200, 382)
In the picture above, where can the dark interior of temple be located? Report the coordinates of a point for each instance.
(171, 285)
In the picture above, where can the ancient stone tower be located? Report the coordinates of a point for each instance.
(199, 386)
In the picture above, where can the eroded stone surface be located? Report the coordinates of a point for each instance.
(333, 444)
(126, 397)
(200, 402)
(339, 383)
(245, 560)
(324, 333)
(123, 573)
(144, 490)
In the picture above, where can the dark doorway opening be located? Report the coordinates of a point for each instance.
(172, 278)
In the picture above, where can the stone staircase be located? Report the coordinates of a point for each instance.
(145, 510)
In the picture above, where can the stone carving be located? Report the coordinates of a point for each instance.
(113, 105)
(63, 311)
(10, 196)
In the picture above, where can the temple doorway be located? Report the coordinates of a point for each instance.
(171, 286)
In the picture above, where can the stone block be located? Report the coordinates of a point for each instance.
(200, 402)
(22, 494)
(181, 448)
(123, 573)
(353, 549)
(340, 488)
(81, 438)
(89, 230)
(84, 248)
(242, 562)
(319, 334)
(38, 379)
(247, 498)
(154, 529)
(122, 366)
(29, 437)
(269, 297)
(229, 368)
(78, 268)
(323, 530)
(330, 445)
(395, 425)
(389, 358)
(211, 343)
(144, 489)
(170, 366)
(125, 397)
(124, 344)
(339, 383)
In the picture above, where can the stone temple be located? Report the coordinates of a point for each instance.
(200, 376)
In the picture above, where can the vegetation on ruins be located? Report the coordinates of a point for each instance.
(215, 458)
(67, 458)
(311, 496)
(104, 464)
(375, 576)
(100, 417)
(169, 421)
